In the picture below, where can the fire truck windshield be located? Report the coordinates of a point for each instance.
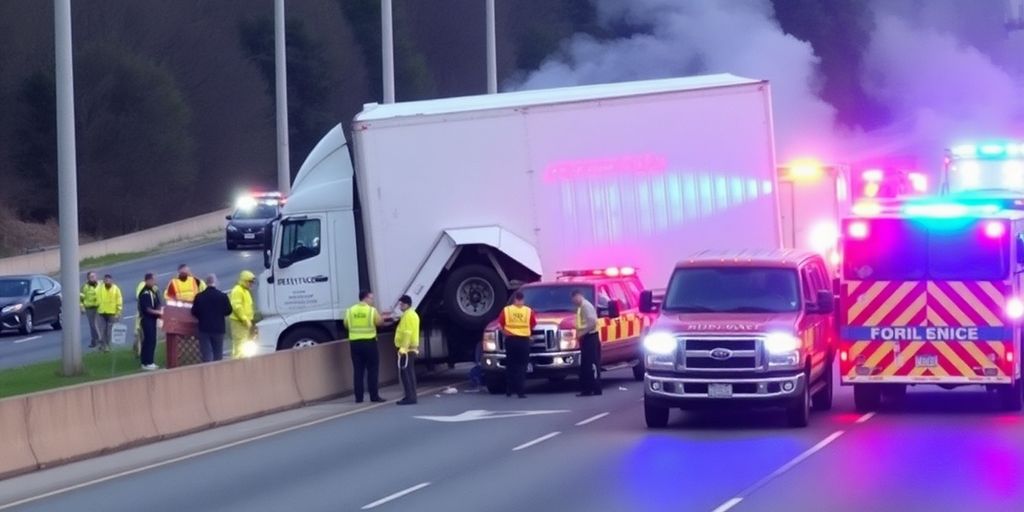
(555, 298)
(732, 290)
(902, 250)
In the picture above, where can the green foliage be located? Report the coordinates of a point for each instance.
(96, 365)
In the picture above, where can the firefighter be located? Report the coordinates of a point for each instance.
(590, 345)
(184, 287)
(362, 321)
(89, 302)
(517, 322)
(407, 341)
(110, 306)
(242, 313)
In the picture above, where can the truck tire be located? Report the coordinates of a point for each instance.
(656, 417)
(638, 371)
(798, 414)
(473, 295)
(495, 383)
(866, 397)
(302, 337)
(1010, 397)
(822, 400)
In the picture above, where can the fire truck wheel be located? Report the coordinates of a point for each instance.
(1010, 397)
(638, 371)
(656, 417)
(822, 400)
(798, 415)
(866, 397)
(495, 384)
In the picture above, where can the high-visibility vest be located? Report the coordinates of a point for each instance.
(361, 322)
(110, 300)
(184, 291)
(89, 297)
(407, 334)
(517, 320)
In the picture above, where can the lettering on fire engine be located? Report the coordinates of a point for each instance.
(925, 333)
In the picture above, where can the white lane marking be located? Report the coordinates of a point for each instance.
(539, 440)
(395, 496)
(728, 505)
(480, 414)
(30, 338)
(129, 317)
(866, 417)
(200, 453)
(592, 419)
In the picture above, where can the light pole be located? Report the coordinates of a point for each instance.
(388, 50)
(67, 185)
(492, 50)
(284, 176)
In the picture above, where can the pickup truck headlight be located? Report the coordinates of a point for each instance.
(490, 341)
(567, 339)
(660, 343)
(783, 349)
(13, 308)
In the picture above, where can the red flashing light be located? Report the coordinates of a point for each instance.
(857, 230)
(599, 272)
(994, 229)
(873, 175)
(844, 356)
(1009, 356)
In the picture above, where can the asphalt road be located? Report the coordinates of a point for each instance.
(45, 344)
(942, 451)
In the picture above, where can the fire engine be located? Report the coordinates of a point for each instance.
(931, 294)
(554, 350)
(987, 166)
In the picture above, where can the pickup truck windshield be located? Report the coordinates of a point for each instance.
(554, 298)
(904, 250)
(732, 290)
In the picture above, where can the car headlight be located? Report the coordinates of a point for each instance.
(567, 339)
(13, 308)
(490, 341)
(783, 349)
(249, 348)
(661, 343)
(232, 228)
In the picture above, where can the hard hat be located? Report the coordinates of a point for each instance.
(246, 276)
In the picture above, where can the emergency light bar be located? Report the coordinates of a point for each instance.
(949, 210)
(991, 150)
(599, 272)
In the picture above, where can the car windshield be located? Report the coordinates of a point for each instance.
(733, 290)
(14, 287)
(260, 211)
(549, 299)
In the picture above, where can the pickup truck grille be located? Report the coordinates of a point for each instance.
(541, 340)
(720, 354)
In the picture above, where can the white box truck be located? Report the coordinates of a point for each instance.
(458, 201)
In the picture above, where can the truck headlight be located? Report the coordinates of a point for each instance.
(783, 349)
(490, 341)
(660, 343)
(567, 339)
(13, 308)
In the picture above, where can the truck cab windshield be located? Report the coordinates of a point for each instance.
(733, 290)
(554, 298)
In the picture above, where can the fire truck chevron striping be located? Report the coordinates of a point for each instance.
(623, 328)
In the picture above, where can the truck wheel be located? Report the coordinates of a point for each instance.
(1010, 397)
(866, 397)
(656, 417)
(495, 383)
(798, 415)
(304, 337)
(638, 371)
(822, 400)
(473, 295)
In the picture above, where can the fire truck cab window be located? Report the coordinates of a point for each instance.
(892, 250)
(554, 298)
(966, 253)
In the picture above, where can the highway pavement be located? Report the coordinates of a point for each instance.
(45, 344)
(939, 451)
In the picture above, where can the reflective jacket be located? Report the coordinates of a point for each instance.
(407, 334)
(241, 305)
(89, 298)
(184, 291)
(110, 300)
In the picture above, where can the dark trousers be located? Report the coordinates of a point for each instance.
(365, 365)
(590, 363)
(517, 357)
(148, 354)
(407, 373)
(211, 346)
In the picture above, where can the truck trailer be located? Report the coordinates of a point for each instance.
(456, 202)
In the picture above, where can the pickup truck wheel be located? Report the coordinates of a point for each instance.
(822, 400)
(474, 295)
(866, 397)
(304, 337)
(495, 383)
(656, 417)
(638, 371)
(798, 415)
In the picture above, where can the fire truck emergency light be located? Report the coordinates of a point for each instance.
(607, 272)
(858, 230)
(949, 210)
(918, 181)
(872, 175)
(1014, 309)
(994, 229)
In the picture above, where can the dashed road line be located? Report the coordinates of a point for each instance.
(728, 505)
(866, 417)
(30, 338)
(592, 419)
(539, 440)
(395, 496)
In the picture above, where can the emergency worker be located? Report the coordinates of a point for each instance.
(89, 301)
(184, 287)
(407, 341)
(240, 323)
(590, 345)
(109, 308)
(517, 322)
(362, 321)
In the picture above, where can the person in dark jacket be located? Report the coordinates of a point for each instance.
(149, 312)
(211, 308)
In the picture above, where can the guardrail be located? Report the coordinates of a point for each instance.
(48, 261)
(63, 425)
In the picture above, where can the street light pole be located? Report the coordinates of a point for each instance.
(67, 186)
(388, 50)
(284, 176)
(492, 50)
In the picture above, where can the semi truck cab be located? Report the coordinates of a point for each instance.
(744, 329)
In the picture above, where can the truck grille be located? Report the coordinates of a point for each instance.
(720, 354)
(541, 340)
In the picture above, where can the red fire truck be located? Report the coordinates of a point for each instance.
(931, 294)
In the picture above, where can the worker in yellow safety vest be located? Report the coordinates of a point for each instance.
(407, 341)
(89, 301)
(109, 308)
(240, 322)
(517, 322)
(362, 321)
(184, 287)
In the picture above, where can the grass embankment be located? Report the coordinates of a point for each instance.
(97, 366)
(113, 259)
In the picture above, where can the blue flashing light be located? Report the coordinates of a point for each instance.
(949, 210)
(993, 149)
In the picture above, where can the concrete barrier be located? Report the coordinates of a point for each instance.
(48, 262)
(66, 424)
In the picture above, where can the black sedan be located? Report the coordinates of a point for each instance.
(29, 301)
(248, 224)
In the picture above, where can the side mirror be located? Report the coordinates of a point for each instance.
(826, 302)
(647, 302)
(227, 217)
(266, 259)
(614, 309)
(35, 294)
